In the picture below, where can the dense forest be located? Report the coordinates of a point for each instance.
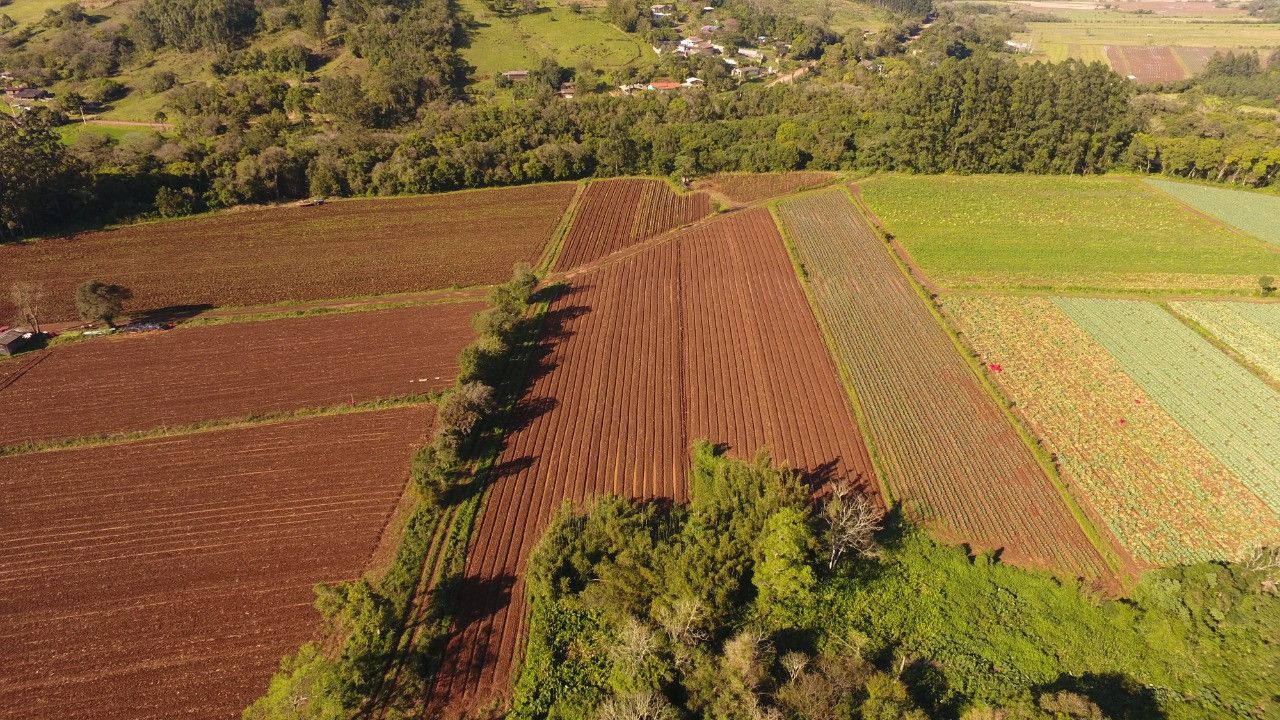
(268, 127)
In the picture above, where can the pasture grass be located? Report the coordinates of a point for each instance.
(1063, 233)
(499, 43)
(1253, 212)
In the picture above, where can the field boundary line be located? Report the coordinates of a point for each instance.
(1109, 554)
(828, 339)
(1221, 345)
(233, 423)
(556, 244)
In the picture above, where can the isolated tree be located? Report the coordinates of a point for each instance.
(29, 299)
(852, 523)
(461, 410)
(1267, 284)
(100, 301)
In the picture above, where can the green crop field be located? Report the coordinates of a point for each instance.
(1086, 34)
(1232, 413)
(1160, 492)
(1256, 213)
(497, 43)
(1023, 231)
(1251, 329)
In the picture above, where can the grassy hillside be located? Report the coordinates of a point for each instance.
(1020, 231)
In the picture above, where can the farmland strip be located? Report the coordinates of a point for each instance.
(950, 454)
(158, 625)
(1252, 330)
(256, 368)
(1163, 495)
(1232, 413)
(637, 364)
(340, 249)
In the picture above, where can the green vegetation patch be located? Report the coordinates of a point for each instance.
(1252, 212)
(1063, 232)
(734, 608)
(554, 31)
(1229, 410)
(1250, 329)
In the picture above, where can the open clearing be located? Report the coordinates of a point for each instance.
(1024, 231)
(1232, 413)
(259, 256)
(746, 188)
(166, 578)
(1157, 64)
(496, 44)
(706, 336)
(1166, 498)
(614, 214)
(1250, 329)
(1255, 213)
(948, 451)
(191, 375)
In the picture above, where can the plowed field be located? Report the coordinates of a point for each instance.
(355, 247)
(616, 213)
(1146, 64)
(706, 336)
(949, 452)
(166, 578)
(191, 375)
(752, 187)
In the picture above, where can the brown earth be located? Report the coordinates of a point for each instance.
(269, 255)
(616, 213)
(709, 336)
(191, 375)
(166, 578)
(1146, 64)
(747, 188)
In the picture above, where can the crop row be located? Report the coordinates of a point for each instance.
(708, 336)
(947, 449)
(167, 577)
(1233, 414)
(614, 214)
(186, 376)
(340, 249)
(1165, 498)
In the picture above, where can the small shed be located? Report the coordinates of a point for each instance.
(32, 94)
(663, 84)
(14, 341)
(516, 75)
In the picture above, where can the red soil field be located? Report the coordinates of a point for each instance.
(950, 455)
(191, 375)
(260, 256)
(753, 187)
(1181, 8)
(706, 336)
(166, 578)
(1146, 64)
(616, 213)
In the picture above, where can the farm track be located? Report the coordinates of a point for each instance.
(274, 255)
(166, 578)
(949, 453)
(614, 214)
(706, 334)
(190, 375)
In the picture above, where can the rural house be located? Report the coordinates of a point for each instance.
(664, 84)
(516, 75)
(14, 341)
(32, 94)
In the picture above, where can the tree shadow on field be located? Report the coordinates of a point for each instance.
(475, 600)
(1119, 696)
(172, 313)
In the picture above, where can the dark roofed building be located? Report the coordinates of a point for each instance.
(14, 341)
